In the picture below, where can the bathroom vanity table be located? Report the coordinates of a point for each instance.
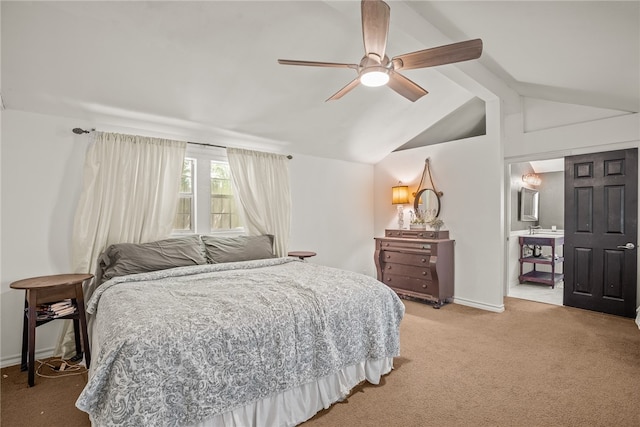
(535, 275)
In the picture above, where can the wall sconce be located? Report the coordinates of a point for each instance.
(399, 197)
(531, 179)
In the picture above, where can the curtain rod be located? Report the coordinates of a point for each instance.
(80, 131)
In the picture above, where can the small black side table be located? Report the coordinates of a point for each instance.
(302, 254)
(49, 289)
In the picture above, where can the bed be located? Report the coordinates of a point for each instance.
(220, 340)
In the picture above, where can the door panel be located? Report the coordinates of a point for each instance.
(614, 208)
(601, 216)
(582, 270)
(584, 209)
(613, 267)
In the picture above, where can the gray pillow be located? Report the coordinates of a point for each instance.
(130, 258)
(240, 248)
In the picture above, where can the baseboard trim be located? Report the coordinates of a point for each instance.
(480, 305)
(16, 359)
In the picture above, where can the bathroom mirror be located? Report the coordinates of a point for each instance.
(528, 204)
(428, 203)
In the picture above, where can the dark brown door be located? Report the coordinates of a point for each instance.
(601, 227)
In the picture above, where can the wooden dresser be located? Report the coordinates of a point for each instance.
(414, 263)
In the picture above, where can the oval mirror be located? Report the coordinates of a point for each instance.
(427, 203)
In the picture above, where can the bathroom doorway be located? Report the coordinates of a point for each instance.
(546, 179)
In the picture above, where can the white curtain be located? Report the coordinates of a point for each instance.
(261, 184)
(129, 195)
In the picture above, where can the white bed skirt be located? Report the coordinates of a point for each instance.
(297, 405)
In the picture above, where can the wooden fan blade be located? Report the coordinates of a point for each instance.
(448, 54)
(339, 94)
(405, 87)
(375, 27)
(317, 64)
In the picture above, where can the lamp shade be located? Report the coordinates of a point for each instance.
(400, 195)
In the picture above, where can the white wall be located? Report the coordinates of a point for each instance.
(598, 135)
(469, 173)
(42, 162)
(41, 173)
(539, 114)
(332, 212)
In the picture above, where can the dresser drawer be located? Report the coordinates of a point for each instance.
(417, 245)
(417, 234)
(418, 260)
(410, 283)
(393, 233)
(409, 270)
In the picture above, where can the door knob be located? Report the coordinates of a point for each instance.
(627, 246)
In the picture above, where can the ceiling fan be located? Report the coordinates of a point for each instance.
(375, 67)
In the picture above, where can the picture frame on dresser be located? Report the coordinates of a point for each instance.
(416, 264)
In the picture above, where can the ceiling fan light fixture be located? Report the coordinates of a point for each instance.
(374, 78)
(375, 67)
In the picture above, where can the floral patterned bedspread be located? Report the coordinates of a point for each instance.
(179, 346)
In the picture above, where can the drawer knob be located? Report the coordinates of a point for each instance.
(424, 286)
(423, 260)
(388, 279)
(424, 273)
(388, 256)
(387, 244)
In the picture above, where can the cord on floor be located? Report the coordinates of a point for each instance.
(64, 368)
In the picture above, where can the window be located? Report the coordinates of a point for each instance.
(184, 213)
(206, 201)
(224, 215)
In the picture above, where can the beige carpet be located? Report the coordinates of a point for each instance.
(533, 365)
(50, 402)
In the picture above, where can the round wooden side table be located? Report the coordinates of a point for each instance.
(51, 289)
(302, 254)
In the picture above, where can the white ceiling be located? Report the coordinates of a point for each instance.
(545, 166)
(209, 70)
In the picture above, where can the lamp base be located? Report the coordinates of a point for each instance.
(400, 217)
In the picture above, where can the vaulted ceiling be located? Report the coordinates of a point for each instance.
(209, 69)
